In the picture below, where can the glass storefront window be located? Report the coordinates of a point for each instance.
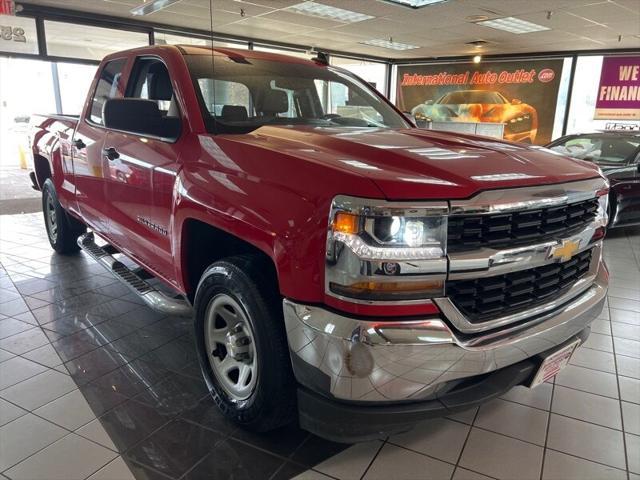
(18, 35)
(162, 38)
(281, 51)
(561, 104)
(93, 43)
(583, 96)
(75, 81)
(375, 73)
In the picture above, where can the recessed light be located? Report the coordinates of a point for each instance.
(148, 8)
(476, 18)
(390, 44)
(513, 25)
(314, 9)
(416, 3)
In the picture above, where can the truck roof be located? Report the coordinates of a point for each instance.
(221, 51)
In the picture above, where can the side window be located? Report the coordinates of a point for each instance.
(150, 81)
(228, 100)
(108, 87)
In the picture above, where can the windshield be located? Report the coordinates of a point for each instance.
(601, 149)
(472, 96)
(241, 94)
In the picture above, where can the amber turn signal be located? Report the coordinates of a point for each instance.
(346, 223)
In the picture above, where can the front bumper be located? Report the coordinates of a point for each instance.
(405, 364)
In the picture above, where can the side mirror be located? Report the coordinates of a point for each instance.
(516, 101)
(139, 116)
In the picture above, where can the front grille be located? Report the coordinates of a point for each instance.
(500, 230)
(493, 297)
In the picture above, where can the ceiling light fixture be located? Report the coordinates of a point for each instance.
(416, 3)
(513, 25)
(390, 44)
(153, 6)
(314, 9)
(477, 59)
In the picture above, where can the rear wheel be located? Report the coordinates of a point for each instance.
(62, 229)
(242, 344)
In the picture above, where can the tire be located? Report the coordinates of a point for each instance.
(234, 301)
(62, 229)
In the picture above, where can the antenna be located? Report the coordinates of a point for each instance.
(213, 61)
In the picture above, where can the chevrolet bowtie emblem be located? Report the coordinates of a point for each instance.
(565, 251)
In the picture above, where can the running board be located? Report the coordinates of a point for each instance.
(154, 298)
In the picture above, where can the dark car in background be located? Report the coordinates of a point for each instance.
(618, 155)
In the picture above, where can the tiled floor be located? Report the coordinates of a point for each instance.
(95, 385)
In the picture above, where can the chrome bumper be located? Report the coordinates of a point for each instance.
(394, 361)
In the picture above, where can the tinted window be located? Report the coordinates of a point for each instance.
(602, 149)
(108, 87)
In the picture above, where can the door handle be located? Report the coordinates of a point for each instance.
(111, 153)
(79, 144)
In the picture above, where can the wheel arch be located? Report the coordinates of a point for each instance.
(203, 244)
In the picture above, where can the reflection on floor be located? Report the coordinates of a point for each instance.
(95, 385)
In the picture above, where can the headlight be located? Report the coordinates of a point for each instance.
(382, 251)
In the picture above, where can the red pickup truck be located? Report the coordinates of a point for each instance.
(342, 266)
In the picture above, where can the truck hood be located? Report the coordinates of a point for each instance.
(412, 164)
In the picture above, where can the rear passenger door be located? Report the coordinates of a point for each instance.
(142, 173)
(89, 163)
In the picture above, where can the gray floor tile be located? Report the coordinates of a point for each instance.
(627, 347)
(600, 342)
(70, 411)
(464, 474)
(350, 463)
(518, 459)
(45, 355)
(28, 434)
(625, 316)
(70, 458)
(11, 326)
(39, 390)
(633, 452)
(515, 420)
(4, 355)
(559, 466)
(539, 397)
(117, 469)
(625, 304)
(587, 406)
(95, 432)
(594, 359)
(440, 438)
(9, 412)
(466, 416)
(624, 330)
(25, 341)
(602, 327)
(631, 416)
(600, 444)
(396, 462)
(628, 366)
(629, 389)
(17, 369)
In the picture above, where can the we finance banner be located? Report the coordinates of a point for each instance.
(619, 89)
(520, 94)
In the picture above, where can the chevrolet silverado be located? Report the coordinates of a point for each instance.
(342, 267)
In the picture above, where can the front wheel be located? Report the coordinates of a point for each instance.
(62, 229)
(242, 343)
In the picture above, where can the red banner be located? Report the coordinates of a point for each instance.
(7, 7)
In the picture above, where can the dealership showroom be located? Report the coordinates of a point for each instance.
(319, 239)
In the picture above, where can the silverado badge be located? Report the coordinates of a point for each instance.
(565, 251)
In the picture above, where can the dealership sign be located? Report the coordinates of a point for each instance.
(521, 95)
(619, 89)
